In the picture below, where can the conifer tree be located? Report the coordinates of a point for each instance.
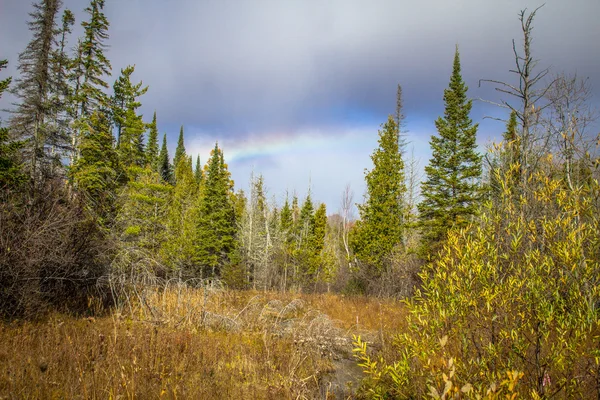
(198, 174)
(180, 250)
(380, 228)
(286, 216)
(512, 150)
(61, 102)
(125, 102)
(130, 125)
(152, 150)
(163, 164)
(144, 205)
(95, 171)
(451, 189)
(91, 62)
(10, 168)
(33, 119)
(216, 224)
(180, 150)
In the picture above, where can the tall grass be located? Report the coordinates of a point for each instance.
(203, 343)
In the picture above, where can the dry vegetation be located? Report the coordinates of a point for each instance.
(197, 343)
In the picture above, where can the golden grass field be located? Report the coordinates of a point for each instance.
(197, 344)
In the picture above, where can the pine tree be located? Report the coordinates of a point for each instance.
(33, 119)
(61, 143)
(93, 62)
(163, 164)
(130, 125)
(216, 224)
(125, 102)
(95, 171)
(144, 205)
(512, 150)
(451, 189)
(180, 250)
(152, 146)
(10, 167)
(198, 174)
(380, 228)
(180, 150)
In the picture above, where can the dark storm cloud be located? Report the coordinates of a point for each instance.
(236, 67)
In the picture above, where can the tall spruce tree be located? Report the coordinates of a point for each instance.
(88, 70)
(152, 150)
(95, 171)
(181, 251)
(179, 150)
(216, 224)
(380, 228)
(33, 120)
(198, 173)
(124, 103)
(94, 64)
(451, 189)
(144, 205)
(163, 164)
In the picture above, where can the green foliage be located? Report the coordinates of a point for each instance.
(152, 146)
(216, 222)
(165, 170)
(509, 294)
(95, 171)
(451, 191)
(180, 250)
(130, 126)
(380, 228)
(179, 151)
(33, 122)
(143, 210)
(91, 65)
(198, 173)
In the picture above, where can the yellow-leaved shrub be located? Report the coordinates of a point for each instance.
(509, 307)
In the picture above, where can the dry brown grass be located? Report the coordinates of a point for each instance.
(192, 343)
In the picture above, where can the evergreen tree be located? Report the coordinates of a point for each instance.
(216, 224)
(198, 174)
(130, 125)
(307, 221)
(124, 104)
(61, 144)
(380, 228)
(451, 188)
(95, 171)
(512, 150)
(91, 62)
(144, 206)
(180, 150)
(33, 119)
(163, 164)
(286, 216)
(180, 250)
(10, 168)
(88, 69)
(152, 146)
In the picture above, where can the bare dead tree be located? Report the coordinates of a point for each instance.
(347, 217)
(568, 123)
(413, 179)
(530, 94)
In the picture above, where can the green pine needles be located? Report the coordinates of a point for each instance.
(451, 189)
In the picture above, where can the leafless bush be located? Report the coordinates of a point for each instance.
(52, 253)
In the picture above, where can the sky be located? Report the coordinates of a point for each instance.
(296, 90)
